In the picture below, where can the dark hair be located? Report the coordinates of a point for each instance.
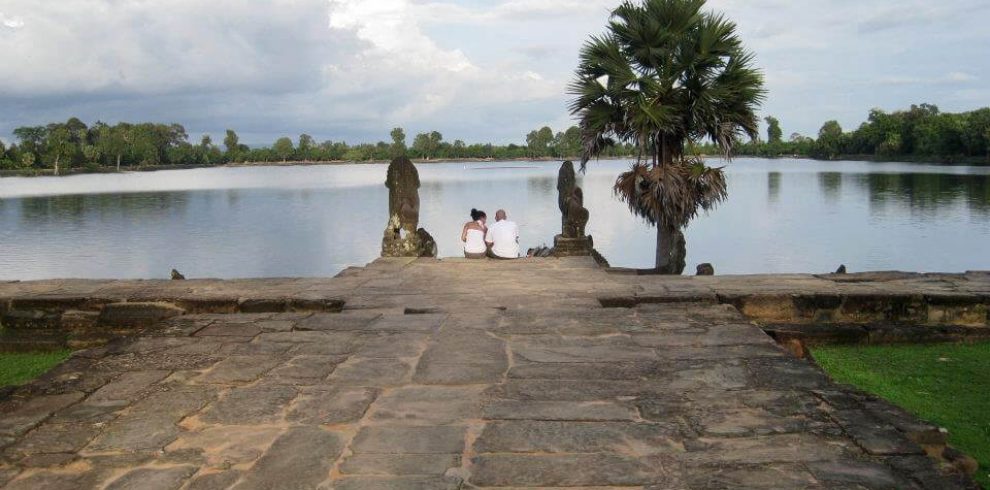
(476, 215)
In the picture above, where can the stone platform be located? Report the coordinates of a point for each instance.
(426, 374)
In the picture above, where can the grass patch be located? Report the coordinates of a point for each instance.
(946, 384)
(19, 368)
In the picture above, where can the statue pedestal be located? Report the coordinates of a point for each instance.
(419, 244)
(572, 247)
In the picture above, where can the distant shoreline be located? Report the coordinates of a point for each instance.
(289, 163)
(303, 163)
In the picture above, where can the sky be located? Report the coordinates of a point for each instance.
(476, 70)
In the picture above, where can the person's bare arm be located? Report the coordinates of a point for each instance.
(464, 232)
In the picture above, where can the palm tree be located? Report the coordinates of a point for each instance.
(666, 73)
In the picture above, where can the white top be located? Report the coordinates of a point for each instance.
(475, 243)
(504, 237)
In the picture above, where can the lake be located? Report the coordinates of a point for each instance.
(781, 216)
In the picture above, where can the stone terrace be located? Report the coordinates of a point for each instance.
(425, 374)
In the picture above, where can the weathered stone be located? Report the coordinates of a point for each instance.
(54, 438)
(531, 378)
(137, 314)
(227, 445)
(402, 238)
(860, 474)
(28, 415)
(300, 458)
(408, 323)
(788, 448)
(399, 464)
(250, 405)
(321, 406)
(570, 200)
(750, 476)
(575, 411)
(52, 480)
(441, 373)
(47, 460)
(235, 330)
(153, 479)
(409, 440)
(371, 372)
(398, 483)
(261, 305)
(238, 369)
(705, 269)
(575, 350)
(33, 320)
(428, 405)
(562, 470)
(337, 321)
(150, 424)
(127, 386)
(532, 436)
(397, 345)
(305, 370)
(220, 480)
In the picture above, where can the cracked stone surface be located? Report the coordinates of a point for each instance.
(455, 374)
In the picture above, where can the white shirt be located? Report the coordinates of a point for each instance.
(504, 237)
(475, 243)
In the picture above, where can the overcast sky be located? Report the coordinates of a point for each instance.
(477, 70)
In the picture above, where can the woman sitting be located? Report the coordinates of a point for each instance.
(473, 235)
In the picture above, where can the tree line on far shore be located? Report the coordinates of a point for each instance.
(921, 133)
(58, 147)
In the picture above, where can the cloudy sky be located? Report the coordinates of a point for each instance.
(477, 70)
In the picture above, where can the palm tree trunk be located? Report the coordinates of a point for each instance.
(56, 164)
(671, 251)
(118, 162)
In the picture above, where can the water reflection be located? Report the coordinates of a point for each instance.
(773, 187)
(831, 185)
(315, 221)
(927, 192)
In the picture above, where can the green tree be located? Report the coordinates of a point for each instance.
(829, 143)
(427, 144)
(774, 134)
(306, 142)
(571, 142)
(666, 72)
(435, 140)
(113, 141)
(231, 142)
(283, 148)
(58, 145)
(398, 148)
(27, 159)
(91, 153)
(421, 145)
(31, 138)
(205, 141)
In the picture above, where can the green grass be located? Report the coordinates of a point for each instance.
(946, 384)
(19, 368)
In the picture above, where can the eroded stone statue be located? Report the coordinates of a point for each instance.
(574, 216)
(403, 237)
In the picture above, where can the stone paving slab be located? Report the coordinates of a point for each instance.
(461, 374)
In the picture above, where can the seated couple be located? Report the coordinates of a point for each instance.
(499, 241)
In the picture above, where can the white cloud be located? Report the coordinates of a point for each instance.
(11, 22)
(478, 70)
(400, 56)
(953, 78)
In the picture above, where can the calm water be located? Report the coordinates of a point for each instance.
(781, 216)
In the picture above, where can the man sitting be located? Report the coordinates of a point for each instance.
(503, 237)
